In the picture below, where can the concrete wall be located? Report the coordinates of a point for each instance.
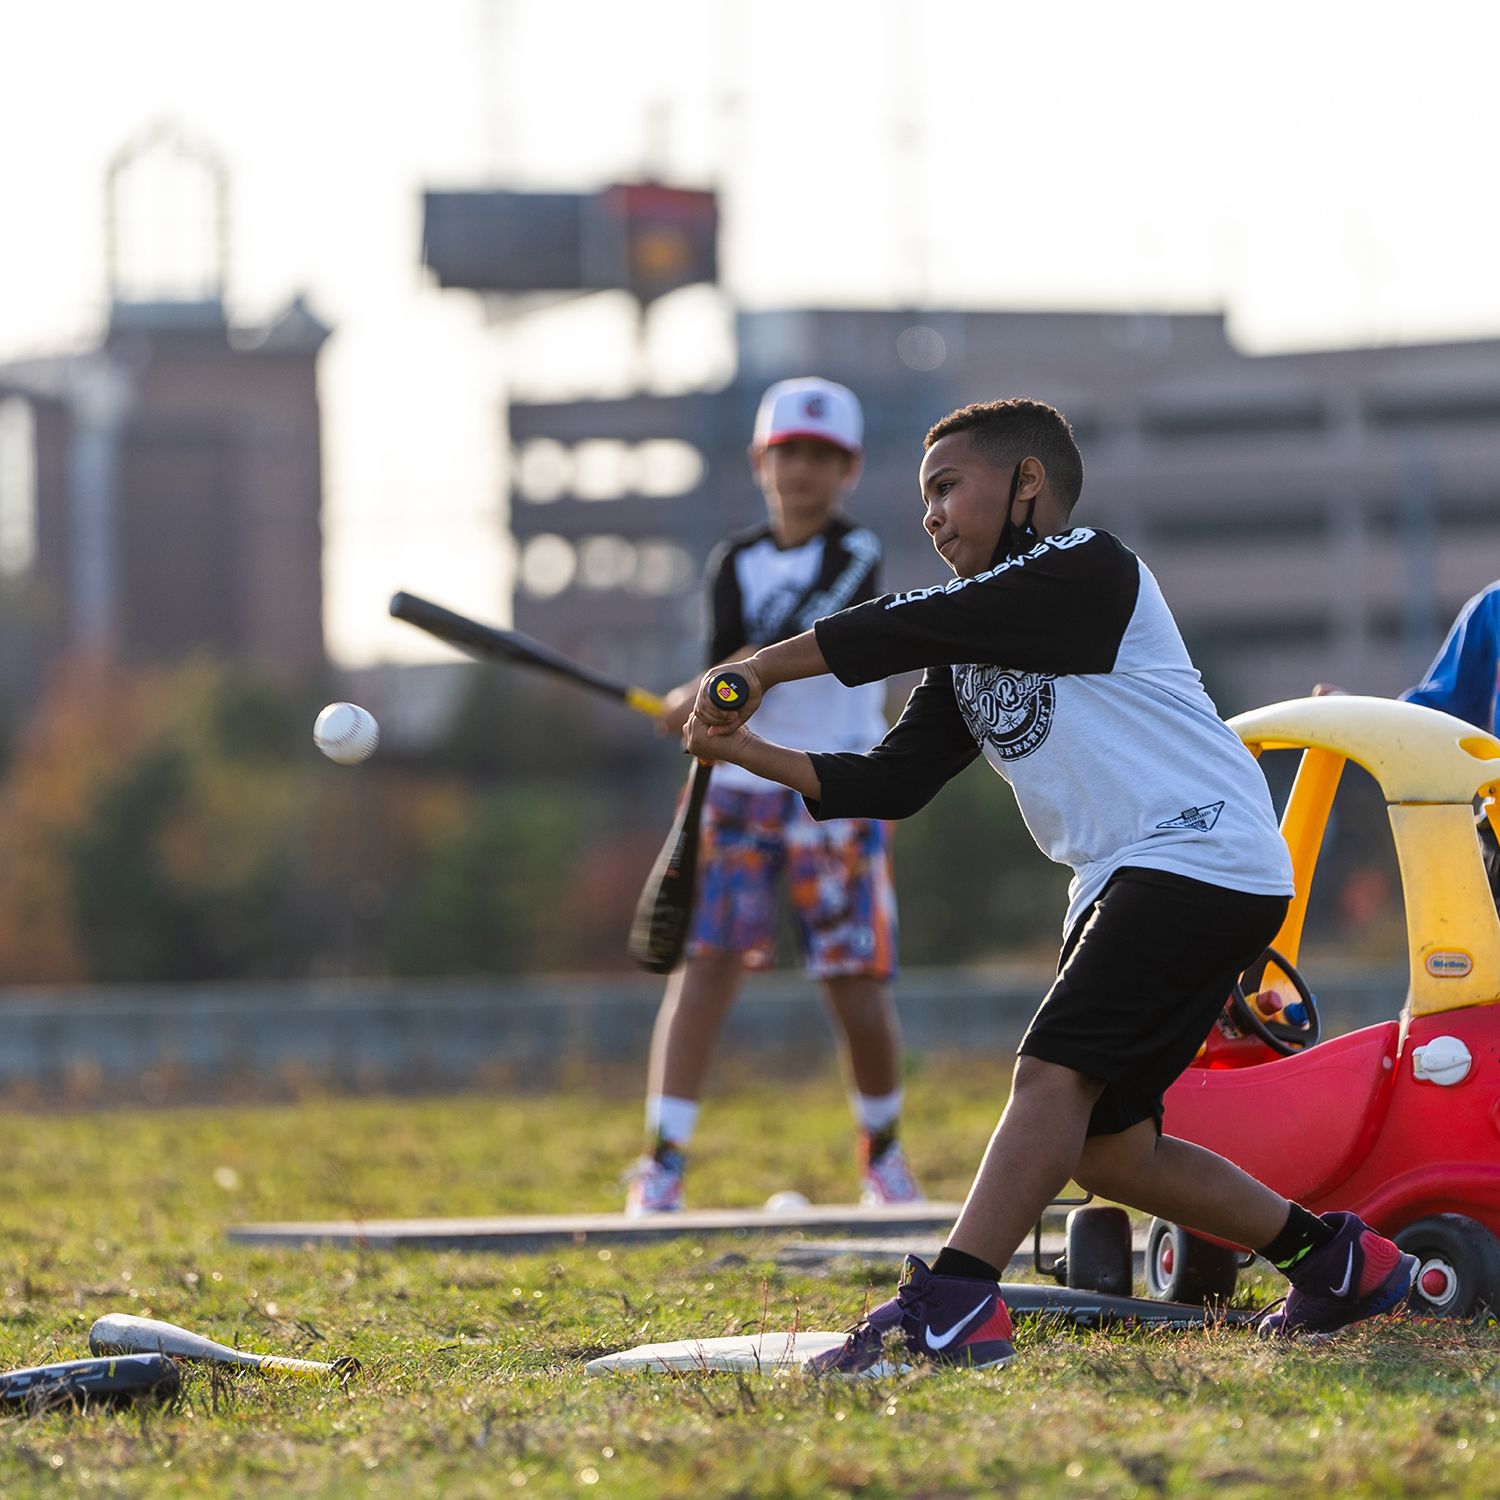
(163, 1044)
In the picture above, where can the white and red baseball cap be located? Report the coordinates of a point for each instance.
(810, 408)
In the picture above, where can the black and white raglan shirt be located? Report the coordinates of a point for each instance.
(761, 593)
(1065, 669)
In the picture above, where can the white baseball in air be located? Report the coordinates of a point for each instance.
(347, 733)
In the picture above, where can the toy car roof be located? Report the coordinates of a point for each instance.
(1430, 767)
(1415, 754)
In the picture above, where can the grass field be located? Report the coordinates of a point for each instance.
(473, 1380)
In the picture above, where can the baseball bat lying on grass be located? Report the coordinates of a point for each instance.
(123, 1332)
(91, 1382)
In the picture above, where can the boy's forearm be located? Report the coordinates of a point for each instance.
(790, 660)
(791, 768)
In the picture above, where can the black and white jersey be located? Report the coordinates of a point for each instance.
(1065, 669)
(761, 593)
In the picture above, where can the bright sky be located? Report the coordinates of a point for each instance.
(1324, 171)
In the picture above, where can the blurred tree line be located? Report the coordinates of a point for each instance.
(179, 825)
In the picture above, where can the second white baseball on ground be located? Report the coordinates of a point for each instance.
(347, 733)
(785, 1201)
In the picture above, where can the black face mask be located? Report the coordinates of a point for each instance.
(1014, 539)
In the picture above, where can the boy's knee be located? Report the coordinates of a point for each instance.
(709, 980)
(1112, 1159)
(1107, 1155)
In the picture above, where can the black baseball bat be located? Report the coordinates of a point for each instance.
(659, 930)
(495, 643)
(96, 1382)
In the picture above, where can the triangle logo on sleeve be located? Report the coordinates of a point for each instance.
(1199, 819)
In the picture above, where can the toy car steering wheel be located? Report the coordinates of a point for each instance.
(1285, 1037)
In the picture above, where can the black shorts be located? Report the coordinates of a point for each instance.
(1141, 978)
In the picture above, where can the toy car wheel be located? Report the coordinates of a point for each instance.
(1458, 1269)
(1182, 1268)
(1098, 1257)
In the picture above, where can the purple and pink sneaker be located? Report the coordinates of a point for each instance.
(1357, 1274)
(949, 1320)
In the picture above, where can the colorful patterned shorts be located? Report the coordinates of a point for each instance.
(838, 880)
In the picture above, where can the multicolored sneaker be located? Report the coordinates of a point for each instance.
(654, 1183)
(949, 1320)
(1357, 1274)
(884, 1175)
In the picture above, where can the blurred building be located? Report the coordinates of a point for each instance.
(161, 494)
(1310, 516)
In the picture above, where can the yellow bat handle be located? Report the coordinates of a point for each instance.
(644, 703)
(306, 1369)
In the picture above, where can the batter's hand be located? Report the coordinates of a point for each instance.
(716, 718)
(723, 744)
(675, 708)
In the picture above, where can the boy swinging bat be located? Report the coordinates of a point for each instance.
(1052, 653)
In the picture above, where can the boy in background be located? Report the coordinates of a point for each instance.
(1464, 680)
(766, 584)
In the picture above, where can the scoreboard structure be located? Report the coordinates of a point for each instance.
(639, 237)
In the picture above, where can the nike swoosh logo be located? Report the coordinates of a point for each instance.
(942, 1340)
(1343, 1291)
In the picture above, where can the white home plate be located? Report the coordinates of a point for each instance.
(757, 1353)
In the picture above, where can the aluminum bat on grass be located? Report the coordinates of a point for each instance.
(124, 1332)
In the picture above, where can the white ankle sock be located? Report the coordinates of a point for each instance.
(877, 1111)
(671, 1119)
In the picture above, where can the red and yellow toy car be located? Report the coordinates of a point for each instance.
(1397, 1122)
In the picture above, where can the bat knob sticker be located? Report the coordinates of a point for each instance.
(730, 689)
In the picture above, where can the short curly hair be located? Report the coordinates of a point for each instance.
(1005, 432)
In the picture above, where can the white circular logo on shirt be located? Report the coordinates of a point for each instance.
(1010, 710)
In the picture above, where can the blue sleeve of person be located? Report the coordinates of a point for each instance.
(1465, 677)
